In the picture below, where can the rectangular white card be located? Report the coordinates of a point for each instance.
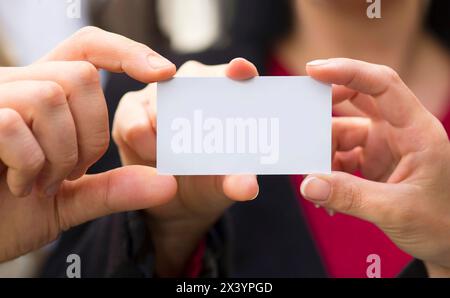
(266, 125)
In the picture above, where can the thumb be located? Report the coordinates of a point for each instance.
(349, 194)
(124, 189)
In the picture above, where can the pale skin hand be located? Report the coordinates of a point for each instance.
(402, 150)
(178, 226)
(53, 126)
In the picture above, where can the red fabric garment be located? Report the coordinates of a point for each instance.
(195, 265)
(344, 242)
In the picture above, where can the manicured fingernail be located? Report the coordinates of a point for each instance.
(315, 189)
(317, 62)
(330, 212)
(52, 190)
(158, 62)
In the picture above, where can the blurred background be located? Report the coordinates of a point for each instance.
(31, 28)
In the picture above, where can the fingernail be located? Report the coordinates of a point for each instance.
(330, 212)
(257, 194)
(317, 62)
(250, 180)
(158, 62)
(315, 189)
(52, 190)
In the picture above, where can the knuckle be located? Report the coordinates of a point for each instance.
(9, 120)
(86, 72)
(348, 198)
(135, 46)
(66, 161)
(67, 157)
(88, 32)
(51, 94)
(390, 73)
(134, 132)
(33, 162)
(71, 158)
(143, 96)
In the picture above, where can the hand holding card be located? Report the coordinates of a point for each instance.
(178, 226)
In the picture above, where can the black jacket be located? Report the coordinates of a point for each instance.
(267, 237)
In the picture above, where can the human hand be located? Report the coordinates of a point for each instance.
(54, 126)
(403, 152)
(178, 226)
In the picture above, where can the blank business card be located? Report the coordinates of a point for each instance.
(266, 125)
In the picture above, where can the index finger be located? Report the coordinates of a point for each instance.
(114, 53)
(395, 101)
